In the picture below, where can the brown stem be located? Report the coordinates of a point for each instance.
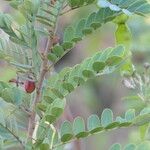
(44, 70)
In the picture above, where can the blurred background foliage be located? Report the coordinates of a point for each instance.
(106, 91)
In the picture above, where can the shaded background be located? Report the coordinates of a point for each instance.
(105, 91)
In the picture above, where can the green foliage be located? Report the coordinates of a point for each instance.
(128, 7)
(19, 47)
(14, 95)
(14, 54)
(24, 35)
(69, 78)
(12, 123)
(28, 8)
(85, 26)
(48, 14)
(12, 28)
(73, 34)
(66, 131)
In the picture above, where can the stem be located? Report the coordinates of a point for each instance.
(44, 70)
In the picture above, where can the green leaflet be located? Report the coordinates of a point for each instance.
(107, 117)
(93, 124)
(130, 115)
(66, 131)
(79, 128)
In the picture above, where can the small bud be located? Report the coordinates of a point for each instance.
(29, 86)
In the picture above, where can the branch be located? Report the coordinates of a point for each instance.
(43, 71)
